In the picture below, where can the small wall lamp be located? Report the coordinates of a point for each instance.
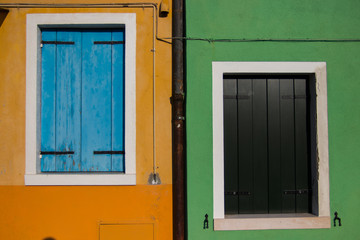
(164, 8)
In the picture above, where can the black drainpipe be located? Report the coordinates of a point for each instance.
(178, 119)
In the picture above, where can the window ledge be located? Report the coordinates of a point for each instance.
(79, 179)
(271, 221)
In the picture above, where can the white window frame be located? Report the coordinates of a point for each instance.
(270, 221)
(34, 23)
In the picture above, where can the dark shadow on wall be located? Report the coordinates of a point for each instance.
(3, 14)
(49, 238)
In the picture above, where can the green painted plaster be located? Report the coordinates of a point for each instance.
(287, 19)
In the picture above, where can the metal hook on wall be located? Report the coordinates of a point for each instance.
(206, 222)
(337, 218)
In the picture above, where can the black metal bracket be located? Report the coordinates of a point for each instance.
(337, 218)
(241, 193)
(109, 42)
(239, 97)
(206, 222)
(177, 97)
(56, 152)
(109, 152)
(299, 191)
(294, 97)
(180, 118)
(58, 42)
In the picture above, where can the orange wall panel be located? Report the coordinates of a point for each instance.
(77, 212)
(143, 231)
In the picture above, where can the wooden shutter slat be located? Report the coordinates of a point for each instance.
(118, 101)
(68, 99)
(48, 84)
(230, 147)
(260, 167)
(301, 147)
(96, 101)
(274, 146)
(287, 144)
(245, 146)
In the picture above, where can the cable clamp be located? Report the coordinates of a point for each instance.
(180, 118)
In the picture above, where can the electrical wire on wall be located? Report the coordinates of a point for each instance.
(212, 40)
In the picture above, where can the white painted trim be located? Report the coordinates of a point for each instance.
(317, 68)
(32, 140)
(218, 142)
(80, 179)
(273, 222)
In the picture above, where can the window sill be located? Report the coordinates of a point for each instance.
(79, 179)
(271, 221)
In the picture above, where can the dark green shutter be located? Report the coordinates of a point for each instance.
(266, 144)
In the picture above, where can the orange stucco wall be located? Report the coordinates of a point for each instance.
(75, 212)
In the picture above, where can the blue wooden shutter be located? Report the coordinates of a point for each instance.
(60, 103)
(82, 103)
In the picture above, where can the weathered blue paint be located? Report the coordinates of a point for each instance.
(118, 98)
(82, 100)
(68, 96)
(96, 101)
(48, 101)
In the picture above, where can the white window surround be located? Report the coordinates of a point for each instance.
(34, 23)
(270, 221)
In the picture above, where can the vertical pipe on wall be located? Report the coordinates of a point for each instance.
(178, 118)
(154, 98)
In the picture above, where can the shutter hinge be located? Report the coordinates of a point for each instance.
(240, 193)
(56, 152)
(239, 97)
(294, 97)
(109, 42)
(299, 191)
(58, 42)
(109, 152)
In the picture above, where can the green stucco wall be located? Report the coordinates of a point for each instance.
(277, 19)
